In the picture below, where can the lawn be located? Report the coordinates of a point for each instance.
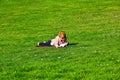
(92, 28)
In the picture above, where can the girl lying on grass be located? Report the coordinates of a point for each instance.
(59, 41)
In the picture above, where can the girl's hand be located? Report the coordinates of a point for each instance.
(57, 46)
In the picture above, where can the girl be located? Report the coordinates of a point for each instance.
(59, 41)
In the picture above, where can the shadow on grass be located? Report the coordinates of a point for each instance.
(72, 44)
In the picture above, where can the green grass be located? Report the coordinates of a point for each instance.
(93, 26)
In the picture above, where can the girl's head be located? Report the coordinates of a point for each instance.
(62, 34)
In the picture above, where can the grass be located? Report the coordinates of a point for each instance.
(92, 26)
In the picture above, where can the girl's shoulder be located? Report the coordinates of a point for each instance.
(57, 37)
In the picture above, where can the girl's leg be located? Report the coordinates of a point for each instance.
(45, 43)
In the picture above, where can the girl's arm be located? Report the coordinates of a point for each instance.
(56, 42)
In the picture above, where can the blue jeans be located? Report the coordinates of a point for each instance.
(45, 43)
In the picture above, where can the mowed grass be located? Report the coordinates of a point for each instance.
(92, 28)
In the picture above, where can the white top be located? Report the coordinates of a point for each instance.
(57, 41)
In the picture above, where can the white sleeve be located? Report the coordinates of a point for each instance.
(55, 41)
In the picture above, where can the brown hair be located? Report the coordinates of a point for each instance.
(62, 35)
